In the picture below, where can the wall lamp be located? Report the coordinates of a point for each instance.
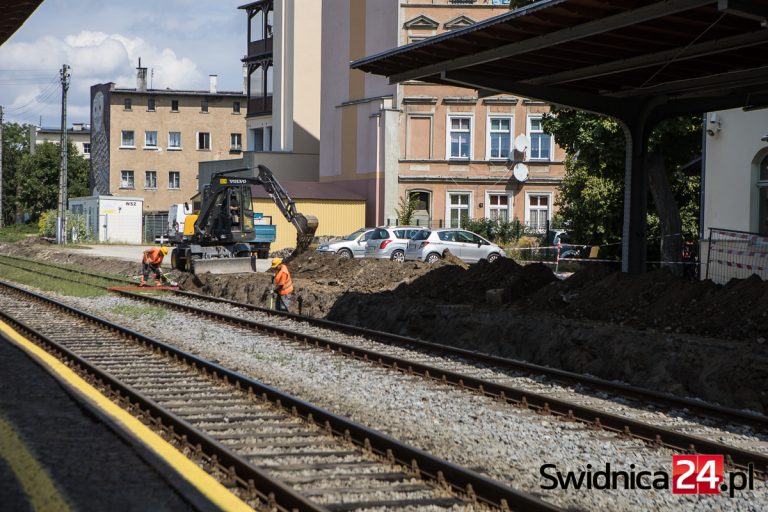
(714, 126)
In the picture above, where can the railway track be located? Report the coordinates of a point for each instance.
(275, 450)
(593, 402)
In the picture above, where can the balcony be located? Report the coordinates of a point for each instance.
(259, 49)
(259, 106)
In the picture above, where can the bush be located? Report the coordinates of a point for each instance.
(525, 249)
(76, 224)
(497, 231)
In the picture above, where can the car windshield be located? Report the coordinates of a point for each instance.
(354, 235)
(421, 235)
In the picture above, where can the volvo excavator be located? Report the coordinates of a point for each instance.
(223, 238)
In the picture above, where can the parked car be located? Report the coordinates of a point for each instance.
(389, 242)
(352, 245)
(430, 246)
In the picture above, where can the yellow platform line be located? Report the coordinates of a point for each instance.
(202, 481)
(33, 478)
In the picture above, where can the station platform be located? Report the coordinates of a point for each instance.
(62, 447)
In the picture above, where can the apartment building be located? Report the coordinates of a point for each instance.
(148, 142)
(282, 77)
(79, 135)
(446, 146)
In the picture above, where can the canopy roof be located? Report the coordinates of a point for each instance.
(599, 55)
(13, 14)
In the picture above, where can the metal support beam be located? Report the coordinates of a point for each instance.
(567, 98)
(653, 59)
(752, 9)
(624, 19)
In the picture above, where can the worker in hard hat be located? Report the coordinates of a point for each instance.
(151, 262)
(283, 285)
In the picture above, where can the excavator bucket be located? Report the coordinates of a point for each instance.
(306, 234)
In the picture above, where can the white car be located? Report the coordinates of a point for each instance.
(430, 246)
(388, 243)
(352, 245)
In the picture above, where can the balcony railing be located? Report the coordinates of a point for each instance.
(259, 106)
(259, 49)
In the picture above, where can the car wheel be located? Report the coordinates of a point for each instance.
(432, 257)
(492, 257)
(398, 256)
(345, 253)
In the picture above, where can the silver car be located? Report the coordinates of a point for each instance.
(352, 245)
(388, 243)
(430, 246)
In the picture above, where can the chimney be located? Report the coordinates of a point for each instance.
(141, 77)
(214, 79)
(245, 79)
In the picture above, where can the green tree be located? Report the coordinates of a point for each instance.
(40, 177)
(591, 197)
(407, 207)
(15, 147)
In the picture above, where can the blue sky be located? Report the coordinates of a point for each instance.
(182, 41)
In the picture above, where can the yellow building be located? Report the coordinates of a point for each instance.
(148, 142)
(338, 211)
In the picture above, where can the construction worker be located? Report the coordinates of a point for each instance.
(151, 262)
(283, 285)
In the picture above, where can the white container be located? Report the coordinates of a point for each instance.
(111, 219)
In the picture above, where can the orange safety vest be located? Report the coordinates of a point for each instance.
(283, 280)
(153, 256)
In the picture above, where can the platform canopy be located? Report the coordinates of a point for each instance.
(637, 61)
(13, 14)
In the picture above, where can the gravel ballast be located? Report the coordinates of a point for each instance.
(503, 442)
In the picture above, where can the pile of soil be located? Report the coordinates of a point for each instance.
(654, 330)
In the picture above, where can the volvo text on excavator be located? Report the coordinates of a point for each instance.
(222, 237)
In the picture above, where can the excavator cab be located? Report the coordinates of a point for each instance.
(229, 218)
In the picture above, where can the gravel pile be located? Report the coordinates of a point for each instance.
(501, 441)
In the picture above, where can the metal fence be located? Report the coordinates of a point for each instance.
(736, 254)
(155, 226)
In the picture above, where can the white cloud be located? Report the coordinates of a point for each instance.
(95, 57)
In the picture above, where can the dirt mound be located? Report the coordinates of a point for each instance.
(660, 300)
(468, 284)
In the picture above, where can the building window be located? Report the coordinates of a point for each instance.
(150, 140)
(151, 104)
(127, 140)
(150, 179)
(236, 142)
(538, 211)
(500, 137)
(127, 103)
(174, 180)
(261, 139)
(459, 137)
(541, 143)
(498, 207)
(86, 148)
(174, 140)
(236, 107)
(126, 179)
(204, 105)
(203, 140)
(174, 105)
(458, 209)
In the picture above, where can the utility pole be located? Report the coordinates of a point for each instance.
(61, 233)
(2, 224)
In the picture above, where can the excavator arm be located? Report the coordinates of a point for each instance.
(305, 225)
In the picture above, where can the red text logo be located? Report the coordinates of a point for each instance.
(697, 474)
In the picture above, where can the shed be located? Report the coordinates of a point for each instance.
(339, 211)
(111, 219)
